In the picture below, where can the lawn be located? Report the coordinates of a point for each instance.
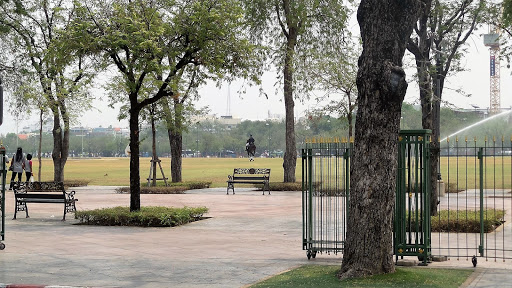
(115, 171)
(407, 277)
(464, 174)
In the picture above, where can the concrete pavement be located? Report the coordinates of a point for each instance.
(249, 237)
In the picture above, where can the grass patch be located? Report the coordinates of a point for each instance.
(152, 216)
(466, 221)
(325, 276)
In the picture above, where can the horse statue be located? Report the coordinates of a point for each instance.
(250, 148)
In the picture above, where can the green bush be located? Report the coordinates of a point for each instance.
(151, 216)
(452, 188)
(281, 186)
(155, 190)
(466, 221)
(75, 183)
(173, 188)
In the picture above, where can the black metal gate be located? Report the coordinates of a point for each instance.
(325, 190)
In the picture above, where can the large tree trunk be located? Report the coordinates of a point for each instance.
(154, 157)
(134, 156)
(385, 29)
(176, 142)
(290, 154)
(175, 134)
(421, 48)
(60, 141)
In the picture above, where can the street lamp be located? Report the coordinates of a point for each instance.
(83, 135)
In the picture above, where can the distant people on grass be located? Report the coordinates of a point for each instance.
(28, 167)
(17, 166)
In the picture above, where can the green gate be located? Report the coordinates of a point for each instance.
(412, 235)
(325, 190)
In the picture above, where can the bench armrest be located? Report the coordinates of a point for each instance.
(70, 196)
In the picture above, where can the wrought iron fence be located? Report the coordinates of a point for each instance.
(325, 190)
(475, 203)
(475, 199)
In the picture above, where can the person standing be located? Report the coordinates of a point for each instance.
(28, 167)
(16, 167)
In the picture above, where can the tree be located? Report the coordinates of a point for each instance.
(335, 74)
(152, 42)
(443, 27)
(294, 29)
(385, 29)
(506, 26)
(39, 52)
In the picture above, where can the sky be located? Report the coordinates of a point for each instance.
(252, 106)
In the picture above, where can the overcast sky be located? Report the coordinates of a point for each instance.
(252, 106)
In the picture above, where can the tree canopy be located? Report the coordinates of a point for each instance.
(294, 30)
(152, 44)
(43, 73)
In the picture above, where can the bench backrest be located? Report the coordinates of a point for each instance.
(252, 171)
(39, 187)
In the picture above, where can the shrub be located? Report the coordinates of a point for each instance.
(75, 183)
(452, 188)
(466, 221)
(155, 190)
(173, 188)
(152, 216)
(282, 186)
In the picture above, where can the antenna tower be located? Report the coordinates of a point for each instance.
(228, 108)
(491, 40)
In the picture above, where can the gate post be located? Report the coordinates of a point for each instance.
(481, 170)
(412, 230)
(3, 172)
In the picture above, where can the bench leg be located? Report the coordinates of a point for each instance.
(267, 187)
(232, 187)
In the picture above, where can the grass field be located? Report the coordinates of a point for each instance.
(465, 174)
(116, 171)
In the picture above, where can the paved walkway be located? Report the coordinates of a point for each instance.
(250, 237)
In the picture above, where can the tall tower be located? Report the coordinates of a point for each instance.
(491, 41)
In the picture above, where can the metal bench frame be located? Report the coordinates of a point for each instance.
(43, 192)
(249, 176)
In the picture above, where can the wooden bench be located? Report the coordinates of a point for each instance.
(249, 176)
(43, 192)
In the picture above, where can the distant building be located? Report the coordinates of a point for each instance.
(229, 122)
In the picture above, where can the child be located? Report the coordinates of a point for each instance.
(28, 166)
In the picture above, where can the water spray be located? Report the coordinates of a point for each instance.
(476, 124)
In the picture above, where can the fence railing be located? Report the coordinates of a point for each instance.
(475, 199)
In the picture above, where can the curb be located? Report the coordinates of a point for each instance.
(36, 286)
